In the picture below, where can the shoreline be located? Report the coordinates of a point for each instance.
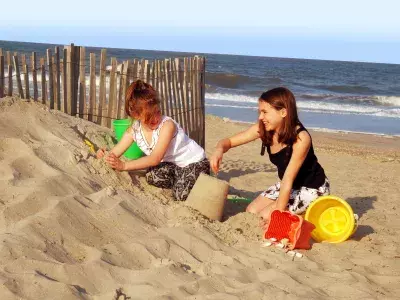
(355, 143)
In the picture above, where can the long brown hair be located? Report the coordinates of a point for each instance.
(142, 101)
(280, 98)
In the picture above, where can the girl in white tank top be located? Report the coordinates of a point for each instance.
(181, 151)
(172, 160)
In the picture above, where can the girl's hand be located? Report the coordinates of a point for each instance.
(114, 162)
(216, 160)
(100, 153)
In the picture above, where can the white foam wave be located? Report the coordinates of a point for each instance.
(391, 100)
(328, 130)
(231, 97)
(322, 129)
(314, 106)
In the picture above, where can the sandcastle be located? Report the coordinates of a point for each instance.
(208, 196)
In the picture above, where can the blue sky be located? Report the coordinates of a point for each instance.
(338, 30)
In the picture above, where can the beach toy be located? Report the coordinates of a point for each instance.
(333, 218)
(240, 200)
(90, 145)
(120, 126)
(285, 225)
(208, 196)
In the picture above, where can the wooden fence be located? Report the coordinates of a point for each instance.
(71, 81)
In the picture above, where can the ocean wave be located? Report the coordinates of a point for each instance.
(310, 106)
(226, 80)
(232, 97)
(371, 100)
(374, 100)
(234, 81)
(354, 89)
(389, 100)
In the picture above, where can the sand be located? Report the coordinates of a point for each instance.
(72, 228)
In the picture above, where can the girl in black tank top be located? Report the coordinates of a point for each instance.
(290, 149)
(310, 175)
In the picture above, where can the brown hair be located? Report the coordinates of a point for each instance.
(142, 102)
(280, 98)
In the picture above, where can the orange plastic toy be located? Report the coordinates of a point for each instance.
(284, 224)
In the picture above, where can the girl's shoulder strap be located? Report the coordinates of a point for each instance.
(165, 119)
(135, 125)
(301, 128)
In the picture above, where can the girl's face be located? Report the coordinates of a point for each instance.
(271, 117)
(142, 120)
(141, 116)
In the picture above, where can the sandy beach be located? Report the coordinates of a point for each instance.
(72, 228)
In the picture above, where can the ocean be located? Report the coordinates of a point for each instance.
(330, 95)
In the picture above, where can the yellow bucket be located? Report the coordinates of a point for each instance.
(333, 218)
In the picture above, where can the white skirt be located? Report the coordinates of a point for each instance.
(299, 199)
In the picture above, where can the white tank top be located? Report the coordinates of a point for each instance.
(181, 151)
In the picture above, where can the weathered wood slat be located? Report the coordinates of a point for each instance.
(18, 75)
(102, 88)
(112, 92)
(121, 91)
(195, 133)
(186, 96)
(167, 88)
(70, 71)
(25, 74)
(51, 77)
(58, 78)
(10, 81)
(92, 92)
(65, 85)
(34, 76)
(2, 75)
(44, 87)
(82, 84)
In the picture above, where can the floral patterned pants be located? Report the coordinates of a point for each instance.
(181, 180)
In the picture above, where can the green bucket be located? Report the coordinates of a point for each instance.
(120, 126)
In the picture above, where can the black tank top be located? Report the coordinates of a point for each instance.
(310, 175)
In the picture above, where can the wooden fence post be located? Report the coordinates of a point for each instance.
(186, 98)
(203, 98)
(177, 92)
(44, 88)
(167, 88)
(18, 75)
(34, 76)
(51, 78)
(92, 92)
(1, 75)
(58, 77)
(102, 92)
(193, 102)
(82, 85)
(10, 79)
(112, 92)
(65, 68)
(121, 92)
(26, 75)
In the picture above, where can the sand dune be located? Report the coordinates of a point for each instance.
(71, 228)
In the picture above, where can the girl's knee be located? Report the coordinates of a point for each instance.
(180, 194)
(265, 214)
(251, 209)
(161, 176)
